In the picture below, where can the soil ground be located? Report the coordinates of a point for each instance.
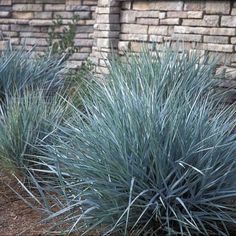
(17, 218)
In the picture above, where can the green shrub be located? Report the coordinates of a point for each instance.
(154, 154)
(63, 42)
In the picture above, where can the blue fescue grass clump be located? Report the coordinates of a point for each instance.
(153, 153)
(30, 105)
(21, 69)
(26, 120)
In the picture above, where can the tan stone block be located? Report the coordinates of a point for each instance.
(10, 34)
(177, 14)
(90, 2)
(211, 20)
(134, 37)
(128, 16)
(102, 34)
(158, 30)
(134, 28)
(148, 14)
(228, 21)
(70, 2)
(29, 1)
(77, 8)
(218, 47)
(136, 46)
(24, 28)
(233, 41)
(187, 37)
(162, 15)
(208, 20)
(34, 41)
(167, 5)
(156, 38)
(90, 22)
(14, 21)
(5, 2)
(63, 14)
(4, 14)
(223, 31)
(191, 30)
(217, 7)
(148, 21)
(33, 35)
(197, 5)
(106, 43)
(23, 15)
(195, 14)
(141, 6)
(233, 11)
(43, 15)
(54, 7)
(41, 22)
(216, 39)
(84, 42)
(27, 7)
(170, 21)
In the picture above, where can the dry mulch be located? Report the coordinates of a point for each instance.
(16, 217)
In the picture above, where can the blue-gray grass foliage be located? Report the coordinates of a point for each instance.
(153, 153)
(21, 69)
(25, 120)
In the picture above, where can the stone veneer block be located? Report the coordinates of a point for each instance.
(160, 30)
(188, 37)
(197, 5)
(27, 7)
(141, 6)
(228, 21)
(54, 7)
(216, 39)
(202, 24)
(217, 7)
(4, 14)
(5, 2)
(208, 20)
(191, 30)
(167, 5)
(218, 47)
(195, 14)
(134, 28)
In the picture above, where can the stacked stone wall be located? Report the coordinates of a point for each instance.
(204, 25)
(27, 22)
(117, 25)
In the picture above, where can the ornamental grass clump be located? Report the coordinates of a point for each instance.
(153, 153)
(26, 119)
(21, 69)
